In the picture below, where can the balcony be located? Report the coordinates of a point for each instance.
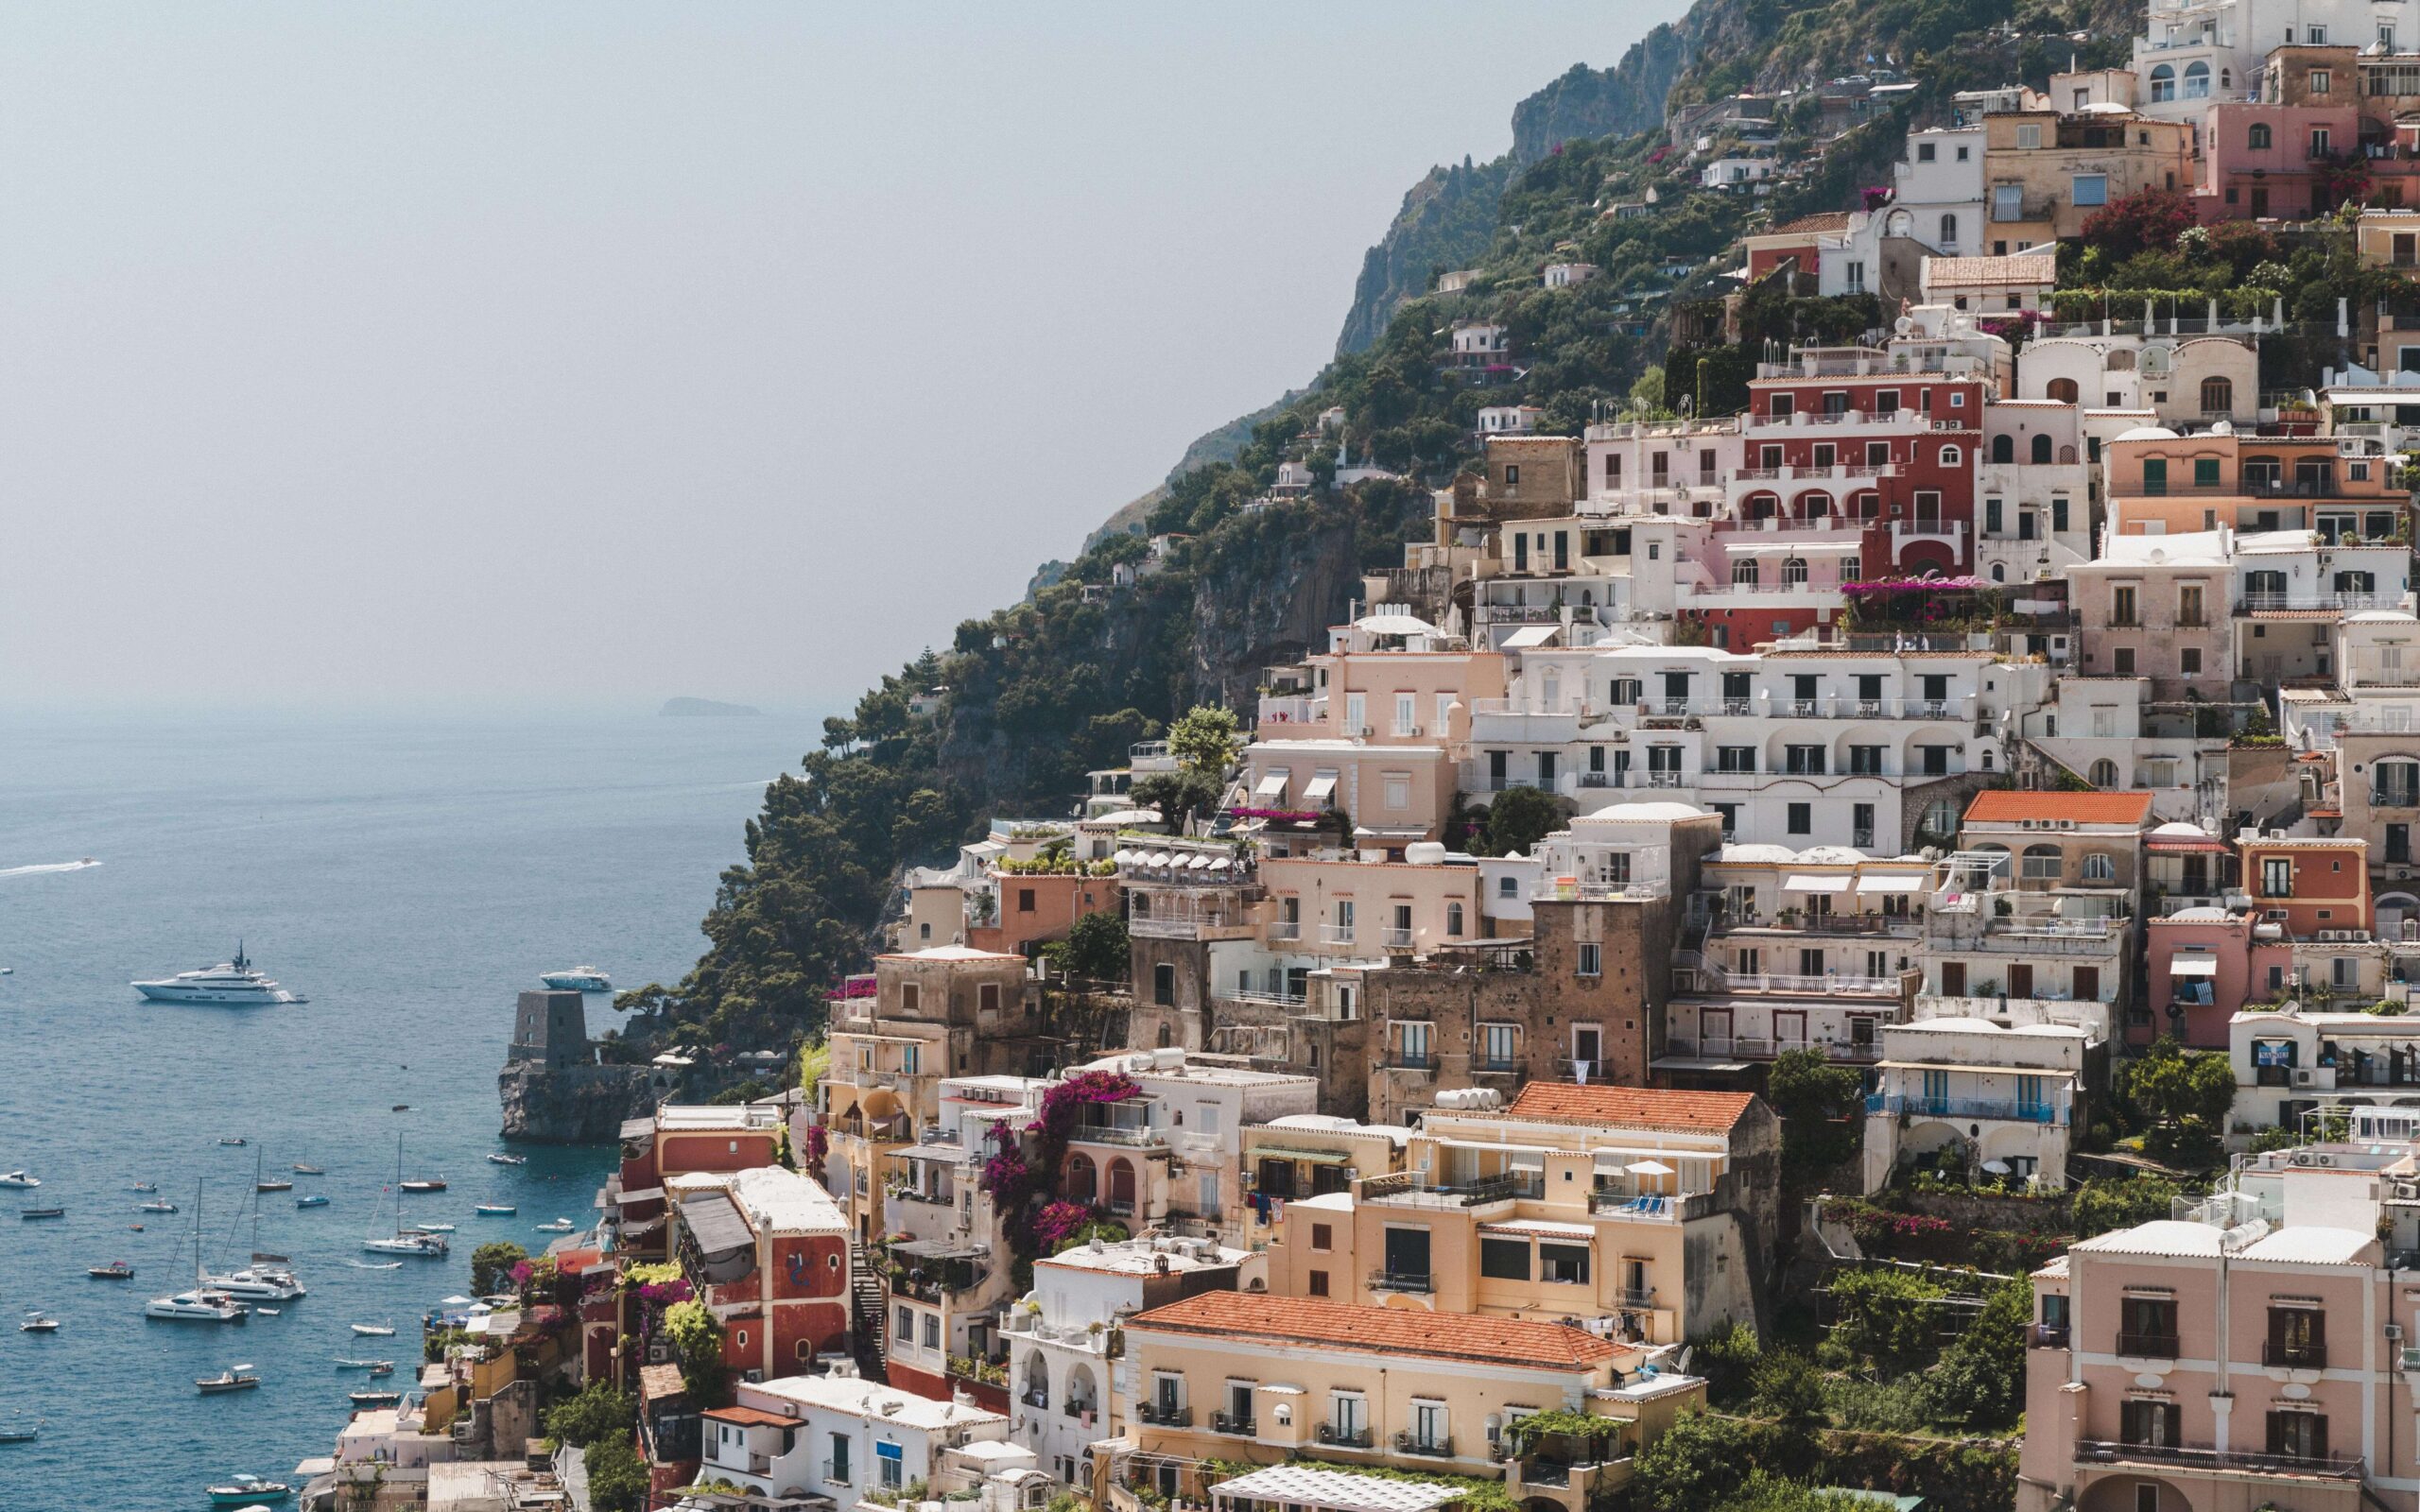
(1341, 1437)
(1410, 1443)
(2048, 1335)
(836, 1472)
(1989, 1109)
(2293, 1356)
(1227, 1423)
(1411, 1060)
(2055, 937)
(2148, 1346)
(1636, 1297)
(2091, 1452)
(1286, 929)
(1395, 939)
(1904, 530)
(1409, 1282)
(2278, 603)
(1336, 934)
(1162, 1414)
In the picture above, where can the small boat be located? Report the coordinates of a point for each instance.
(384, 1367)
(235, 1378)
(237, 1142)
(424, 1184)
(116, 1270)
(19, 1179)
(31, 1213)
(343, 1364)
(20, 1433)
(495, 1210)
(275, 1183)
(144, 1186)
(243, 1490)
(308, 1170)
(375, 1399)
(578, 979)
(372, 1264)
(269, 1311)
(509, 1159)
(197, 1307)
(373, 1330)
(157, 1205)
(313, 1201)
(38, 1321)
(433, 1227)
(401, 1108)
(561, 1225)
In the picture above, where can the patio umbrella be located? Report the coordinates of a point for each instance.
(1648, 1168)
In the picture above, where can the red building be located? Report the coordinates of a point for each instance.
(768, 1251)
(684, 1140)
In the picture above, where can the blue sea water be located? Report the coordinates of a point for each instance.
(409, 876)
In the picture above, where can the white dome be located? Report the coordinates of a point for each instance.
(2149, 433)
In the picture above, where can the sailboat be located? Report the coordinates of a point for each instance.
(265, 1278)
(404, 1241)
(202, 1304)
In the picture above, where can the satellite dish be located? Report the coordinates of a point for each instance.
(1904, 324)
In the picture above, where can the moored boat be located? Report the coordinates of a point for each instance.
(38, 1321)
(20, 1433)
(230, 982)
(375, 1399)
(374, 1330)
(313, 1201)
(31, 1213)
(242, 1490)
(421, 1185)
(116, 1270)
(156, 1206)
(308, 1170)
(501, 1158)
(19, 1179)
(561, 1225)
(578, 979)
(495, 1210)
(201, 1304)
(235, 1378)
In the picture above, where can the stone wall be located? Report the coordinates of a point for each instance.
(581, 1104)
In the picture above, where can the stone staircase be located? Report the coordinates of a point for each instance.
(867, 1300)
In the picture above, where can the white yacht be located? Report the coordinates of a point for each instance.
(404, 1241)
(578, 979)
(229, 982)
(204, 1303)
(19, 1179)
(267, 1278)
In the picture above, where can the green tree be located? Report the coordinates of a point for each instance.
(1179, 795)
(696, 1335)
(1205, 740)
(1519, 818)
(1980, 1380)
(1888, 1320)
(1726, 1357)
(2189, 1095)
(2102, 1204)
(491, 1265)
(596, 1412)
(1787, 1385)
(1097, 948)
(1697, 1465)
(616, 1475)
(1646, 395)
(1822, 1106)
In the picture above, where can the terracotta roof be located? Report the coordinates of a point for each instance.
(1820, 220)
(1300, 1320)
(2008, 805)
(751, 1417)
(1566, 1102)
(2016, 267)
(657, 1382)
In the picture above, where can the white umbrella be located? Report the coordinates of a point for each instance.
(455, 1301)
(1199, 862)
(1648, 1168)
(1126, 858)
(1997, 1167)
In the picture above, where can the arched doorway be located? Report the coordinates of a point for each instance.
(1121, 1185)
(1037, 1381)
(1083, 1181)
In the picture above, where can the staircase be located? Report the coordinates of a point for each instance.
(867, 1300)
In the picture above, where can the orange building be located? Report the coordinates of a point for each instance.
(1024, 910)
(2307, 884)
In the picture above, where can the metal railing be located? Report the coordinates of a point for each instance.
(1221, 1422)
(1406, 1281)
(2048, 1335)
(1411, 1060)
(1409, 1443)
(1345, 1437)
(1162, 1416)
(2148, 1346)
(2330, 1467)
(1286, 929)
(1336, 934)
(1994, 1110)
(2293, 1356)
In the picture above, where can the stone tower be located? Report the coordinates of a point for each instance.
(551, 1030)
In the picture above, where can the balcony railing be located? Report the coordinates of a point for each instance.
(1286, 929)
(1336, 934)
(1396, 938)
(1338, 1438)
(2270, 603)
(2048, 1335)
(1221, 1422)
(1637, 1296)
(1117, 1134)
(2293, 1356)
(1414, 1283)
(2197, 1456)
(835, 1473)
(2148, 1346)
(1162, 1415)
(1976, 1108)
(1411, 1060)
(1410, 1443)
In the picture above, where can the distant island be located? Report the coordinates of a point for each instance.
(703, 708)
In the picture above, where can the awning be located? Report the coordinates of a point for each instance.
(1320, 788)
(1269, 1152)
(1157, 858)
(715, 1223)
(2193, 963)
(1126, 858)
(1887, 883)
(1199, 862)
(1814, 882)
(1648, 1168)
(1273, 785)
(1530, 635)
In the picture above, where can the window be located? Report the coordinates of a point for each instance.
(2188, 661)
(1564, 1264)
(2121, 606)
(2277, 877)
(891, 1460)
(1319, 1283)
(2197, 81)
(932, 1330)
(1735, 758)
(2297, 1433)
(2258, 138)
(1592, 962)
(1801, 818)
(2322, 81)
(1504, 1259)
(2150, 1422)
(1924, 152)
(2090, 189)
(2318, 141)
(1398, 790)
(2163, 90)
(2217, 398)
(2099, 868)
(1508, 887)
(1025, 900)
(2062, 390)
(1952, 456)
(1323, 1236)
(1949, 230)
(1164, 985)
(2029, 137)
(1499, 1046)
(1453, 920)
(1865, 761)
(2041, 863)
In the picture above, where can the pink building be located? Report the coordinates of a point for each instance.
(2252, 1360)
(2258, 159)
(2205, 964)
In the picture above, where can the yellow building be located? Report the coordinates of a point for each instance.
(2046, 173)
(1233, 1376)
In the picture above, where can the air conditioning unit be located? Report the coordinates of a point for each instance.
(2302, 1078)
(2025, 824)
(752, 1377)
(2067, 824)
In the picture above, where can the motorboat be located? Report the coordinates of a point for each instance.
(561, 1225)
(269, 1312)
(374, 1330)
(375, 1264)
(231, 984)
(38, 1321)
(343, 1364)
(307, 1170)
(313, 1201)
(275, 1183)
(502, 1159)
(384, 1367)
(20, 1180)
(240, 1491)
(235, 1378)
(156, 1206)
(202, 1304)
(20, 1433)
(433, 1227)
(422, 1185)
(144, 1186)
(116, 1270)
(238, 1142)
(495, 1210)
(30, 1215)
(578, 979)
(375, 1398)
(426, 1246)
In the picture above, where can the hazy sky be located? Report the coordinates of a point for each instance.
(599, 351)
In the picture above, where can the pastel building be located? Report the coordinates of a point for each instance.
(2007, 1097)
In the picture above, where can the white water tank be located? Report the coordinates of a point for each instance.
(1425, 853)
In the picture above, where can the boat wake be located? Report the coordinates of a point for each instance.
(50, 865)
(371, 1264)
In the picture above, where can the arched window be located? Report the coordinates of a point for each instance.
(1743, 573)
(2003, 448)
(1869, 505)
(2163, 84)
(1453, 920)
(2067, 456)
(1793, 570)
(1121, 1185)
(2103, 774)
(2099, 868)
(1083, 1181)
(2226, 79)
(2119, 361)
(1952, 456)
(1987, 755)
(2155, 360)
(2218, 396)
(1949, 228)
(1037, 1381)
(1851, 570)
(2062, 389)
(2197, 81)
(2041, 863)
(2000, 857)
(1999, 573)
(2041, 448)
(2259, 137)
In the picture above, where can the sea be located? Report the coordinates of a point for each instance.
(408, 874)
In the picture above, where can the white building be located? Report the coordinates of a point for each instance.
(2186, 381)
(2035, 515)
(848, 1438)
(2008, 1095)
(1179, 1138)
(2193, 52)
(1509, 420)
(2018, 280)
(1563, 275)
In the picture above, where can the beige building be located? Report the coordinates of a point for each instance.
(2046, 173)
(1649, 1214)
(1228, 1376)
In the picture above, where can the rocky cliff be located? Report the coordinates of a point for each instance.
(580, 1105)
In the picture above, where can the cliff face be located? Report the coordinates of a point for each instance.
(581, 1104)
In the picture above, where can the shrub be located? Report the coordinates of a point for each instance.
(1725, 1357)
(616, 1475)
(1980, 1380)
(2102, 1204)
(597, 1412)
(1887, 1319)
